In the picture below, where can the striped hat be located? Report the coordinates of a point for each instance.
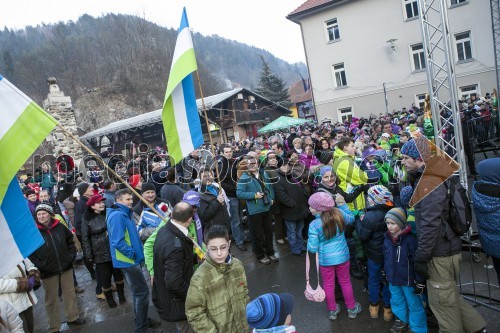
(380, 195)
(269, 310)
(397, 215)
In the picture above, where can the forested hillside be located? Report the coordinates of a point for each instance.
(126, 57)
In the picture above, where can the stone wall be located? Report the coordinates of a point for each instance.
(61, 108)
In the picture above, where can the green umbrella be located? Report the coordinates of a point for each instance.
(283, 122)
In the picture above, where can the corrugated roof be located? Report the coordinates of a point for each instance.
(154, 116)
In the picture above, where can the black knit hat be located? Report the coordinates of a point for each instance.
(82, 188)
(148, 187)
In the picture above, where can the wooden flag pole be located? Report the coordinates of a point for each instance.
(209, 134)
(99, 159)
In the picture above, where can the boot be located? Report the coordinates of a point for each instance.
(373, 309)
(120, 289)
(388, 315)
(109, 298)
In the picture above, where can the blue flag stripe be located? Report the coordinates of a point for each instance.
(184, 20)
(20, 221)
(192, 111)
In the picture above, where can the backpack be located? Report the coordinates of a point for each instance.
(460, 210)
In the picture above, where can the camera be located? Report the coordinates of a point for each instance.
(265, 198)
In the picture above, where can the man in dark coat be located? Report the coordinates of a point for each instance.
(292, 199)
(172, 191)
(438, 253)
(173, 267)
(227, 171)
(214, 207)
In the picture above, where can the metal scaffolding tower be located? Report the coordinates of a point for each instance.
(495, 21)
(441, 81)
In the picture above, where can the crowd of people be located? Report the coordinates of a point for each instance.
(341, 191)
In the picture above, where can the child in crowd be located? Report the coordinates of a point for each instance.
(405, 286)
(271, 313)
(218, 282)
(32, 199)
(371, 231)
(326, 235)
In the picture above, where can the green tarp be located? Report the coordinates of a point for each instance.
(283, 122)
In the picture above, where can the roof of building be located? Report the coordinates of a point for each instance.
(300, 91)
(310, 6)
(155, 116)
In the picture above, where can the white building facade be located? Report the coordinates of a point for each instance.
(360, 52)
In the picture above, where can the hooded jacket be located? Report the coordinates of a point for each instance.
(211, 211)
(57, 253)
(350, 175)
(399, 258)
(124, 242)
(217, 297)
(486, 202)
(372, 230)
(95, 240)
(435, 236)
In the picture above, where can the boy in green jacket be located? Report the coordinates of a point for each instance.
(218, 293)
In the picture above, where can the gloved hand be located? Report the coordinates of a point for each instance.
(31, 283)
(418, 288)
(421, 269)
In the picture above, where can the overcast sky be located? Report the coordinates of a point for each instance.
(260, 23)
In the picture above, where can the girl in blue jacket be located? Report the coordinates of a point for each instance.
(405, 286)
(326, 236)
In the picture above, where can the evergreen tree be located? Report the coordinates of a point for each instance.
(9, 65)
(271, 86)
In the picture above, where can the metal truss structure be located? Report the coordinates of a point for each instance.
(441, 81)
(495, 21)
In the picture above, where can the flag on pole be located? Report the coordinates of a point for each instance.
(19, 235)
(180, 118)
(23, 126)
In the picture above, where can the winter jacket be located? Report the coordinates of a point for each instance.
(310, 161)
(57, 253)
(217, 298)
(486, 201)
(228, 172)
(248, 186)
(211, 211)
(435, 236)
(372, 229)
(399, 258)
(46, 179)
(64, 191)
(80, 209)
(10, 318)
(333, 251)
(95, 240)
(350, 175)
(173, 268)
(125, 245)
(10, 287)
(173, 193)
(291, 198)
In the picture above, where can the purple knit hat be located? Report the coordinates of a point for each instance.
(368, 151)
(321, 201)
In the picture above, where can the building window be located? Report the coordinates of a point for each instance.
(345, 114)
(411, 8)
(332, 30)
(339, 75)
(469, 91)
(418, 57)
(420, 100)
(464, 48)
(458, 2)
